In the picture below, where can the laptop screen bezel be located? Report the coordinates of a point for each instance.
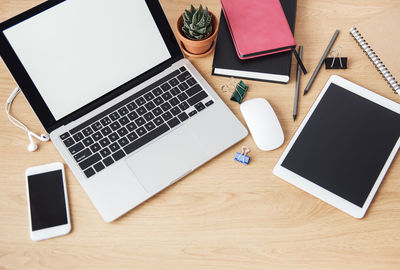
(32, 94)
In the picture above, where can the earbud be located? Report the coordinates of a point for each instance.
(32, 145)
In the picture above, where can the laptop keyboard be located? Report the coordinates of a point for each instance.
(135, 121)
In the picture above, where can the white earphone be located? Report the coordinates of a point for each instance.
(32, 145)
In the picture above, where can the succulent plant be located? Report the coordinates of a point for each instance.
(197, 23)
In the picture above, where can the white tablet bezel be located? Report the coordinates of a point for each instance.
(314, 189)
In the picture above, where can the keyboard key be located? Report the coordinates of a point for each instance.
(165, 87)
(183, 116)
(132, 136)
(99, 166)
(78, 136)
(199, 106)
(183, 96)
(105, 152)
(175, 91)
(131, 106)
(104, 142)
(157, 111)
(115, 125)
(90, 161)
(183, 86)
(113, 136)
(150, 126)
(105, 121)
(131, 126)
(174, 101)
(173, 122)
(122, 131)
(166, 96)
(105, 131)
(123, 121)
(87, 141)
(123, 141)
(68, 142)
(108, 161)
(82, 155)
(96, 126)
(182, 69)
(184, 76)
(158, 121)
(95, 147)
(150, 105)
(87, 131)
(114, 116)
(158, 101)
(97, 136)
(64, 135)
(118, 155)
(124, 110)
(147, 138)
(193, 90)
(140, 101)
(191, 81)
(184, 105)
(133, 115)
(173, 82)
(157, 91)
(166, 116)
(148, 116)
(141, 110)
(209, 103)
(197, 98)
(114, 147)
(141, 131)
(149, 96)
(76, 148)
(192, 113)
(140, 121)
(166, 106)
(89, 172)
(175, 111)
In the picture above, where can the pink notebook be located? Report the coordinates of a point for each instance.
(258, 27)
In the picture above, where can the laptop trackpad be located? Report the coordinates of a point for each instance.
(166, 160)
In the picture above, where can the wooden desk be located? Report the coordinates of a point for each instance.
(224, 215)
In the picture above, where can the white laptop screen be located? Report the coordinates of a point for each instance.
(80, 50)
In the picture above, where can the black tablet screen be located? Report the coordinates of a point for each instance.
(345, 144)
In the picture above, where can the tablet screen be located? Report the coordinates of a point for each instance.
(345, 144)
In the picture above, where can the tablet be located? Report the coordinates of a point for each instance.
(344, 146)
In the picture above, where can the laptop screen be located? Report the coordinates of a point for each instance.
(77, 51)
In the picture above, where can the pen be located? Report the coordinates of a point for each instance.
(310, 82)
(296, 93)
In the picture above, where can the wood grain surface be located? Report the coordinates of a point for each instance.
(224, 215)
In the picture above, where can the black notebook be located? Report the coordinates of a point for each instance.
(272, 68)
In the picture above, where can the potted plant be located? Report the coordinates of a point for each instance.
(197, 30)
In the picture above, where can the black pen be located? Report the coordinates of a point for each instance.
(296, 93)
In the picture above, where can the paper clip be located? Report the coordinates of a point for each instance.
(242, 157)
(330, 63)
(238, 89)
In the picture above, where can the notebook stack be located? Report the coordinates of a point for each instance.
(273, 67)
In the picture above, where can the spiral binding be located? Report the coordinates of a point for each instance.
(376, 60)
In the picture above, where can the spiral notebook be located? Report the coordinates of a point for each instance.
(379, 38)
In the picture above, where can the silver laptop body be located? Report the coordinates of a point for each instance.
(125, 149)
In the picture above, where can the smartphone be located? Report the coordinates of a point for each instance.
(47, 201)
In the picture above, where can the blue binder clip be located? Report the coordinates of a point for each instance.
(242, 157)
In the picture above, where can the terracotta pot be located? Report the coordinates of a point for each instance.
(197, 47)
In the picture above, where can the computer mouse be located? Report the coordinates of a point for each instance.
(263, 123)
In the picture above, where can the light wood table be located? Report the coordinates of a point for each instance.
(224, 215)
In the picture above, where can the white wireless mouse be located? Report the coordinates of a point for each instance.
(263, 124)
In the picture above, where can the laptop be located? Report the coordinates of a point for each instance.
(108, 81)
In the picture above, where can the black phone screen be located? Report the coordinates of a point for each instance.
(47, 200)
